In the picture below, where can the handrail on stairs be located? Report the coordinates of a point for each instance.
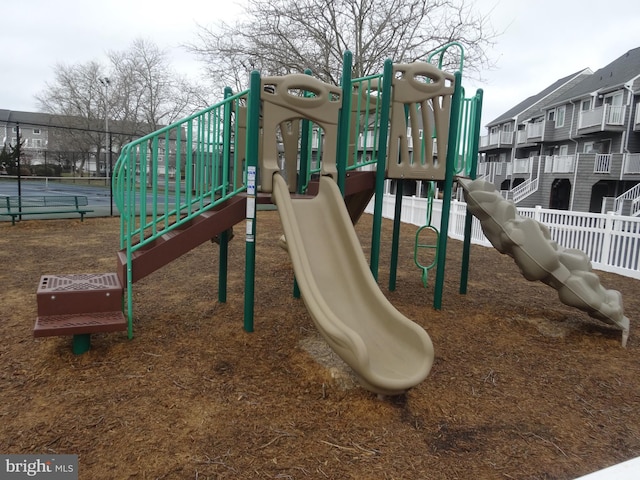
(166, 178)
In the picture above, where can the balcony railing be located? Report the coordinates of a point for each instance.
(631, 164)
(498, 139)
(637, 118)
(559, 163)
(506, 138)
(535, 130)
(602, 116)
(522, 165)
(602, 163)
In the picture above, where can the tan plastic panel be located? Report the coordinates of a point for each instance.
(429, 107)
(529, 243)
(282, 102)
(387, 351)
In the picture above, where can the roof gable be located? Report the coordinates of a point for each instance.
(538, 99)
(622, 70)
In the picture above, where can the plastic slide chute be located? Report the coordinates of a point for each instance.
(388, 352)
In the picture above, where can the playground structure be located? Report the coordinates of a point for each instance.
(320, 153)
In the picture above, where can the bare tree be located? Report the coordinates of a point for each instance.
(147, 90)
(77, 98)
(284, 36)
(143, 94)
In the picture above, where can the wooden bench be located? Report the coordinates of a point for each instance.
(44, 205)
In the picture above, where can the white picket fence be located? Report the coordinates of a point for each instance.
(611, 241)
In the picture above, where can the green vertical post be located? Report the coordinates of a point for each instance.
(395, 240)
(222, 266)
(305, 151)
(305, 167)
(253, 138)
(381, 167)
(452, 152)
(343, 120)
(224, 236)
(81, 343)
(475, 138)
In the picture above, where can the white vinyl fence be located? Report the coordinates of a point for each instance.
(611, 241)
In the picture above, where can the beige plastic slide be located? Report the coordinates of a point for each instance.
(529, 243)
(388, 352)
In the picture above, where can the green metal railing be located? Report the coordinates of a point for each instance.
(165, 179)
(365, 124)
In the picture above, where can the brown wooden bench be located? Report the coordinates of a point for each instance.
(17, 206)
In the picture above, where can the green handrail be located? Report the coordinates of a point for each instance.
(165, 179)
(442, 50)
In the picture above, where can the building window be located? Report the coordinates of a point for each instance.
(588, 148)
(551, 115)
(586, 105)
(560, 111)
(36, 142)
(36, 131)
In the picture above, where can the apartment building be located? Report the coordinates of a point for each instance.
(34, 132)
(73, 144)
(573, 146)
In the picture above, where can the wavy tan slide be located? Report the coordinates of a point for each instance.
(388, 352)
(538, 257)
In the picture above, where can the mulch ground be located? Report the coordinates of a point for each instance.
(522, 386)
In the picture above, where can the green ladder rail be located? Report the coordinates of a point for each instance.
(427, 227)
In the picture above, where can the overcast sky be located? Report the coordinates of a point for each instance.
(543, 40)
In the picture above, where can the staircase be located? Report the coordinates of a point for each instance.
(64, 300)
(523, 190)
(83, 304)
(173, 244)
(632, 198)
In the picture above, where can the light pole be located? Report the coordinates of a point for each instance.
(107, 83)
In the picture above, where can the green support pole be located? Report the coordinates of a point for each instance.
(222, 266)
(81, 343)
(452, 152)
(224, 236)
(253, 138)
(305, 168)
(381, 166)
(305, 153)
(466, 246)
(395, 242)
(343, 120)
